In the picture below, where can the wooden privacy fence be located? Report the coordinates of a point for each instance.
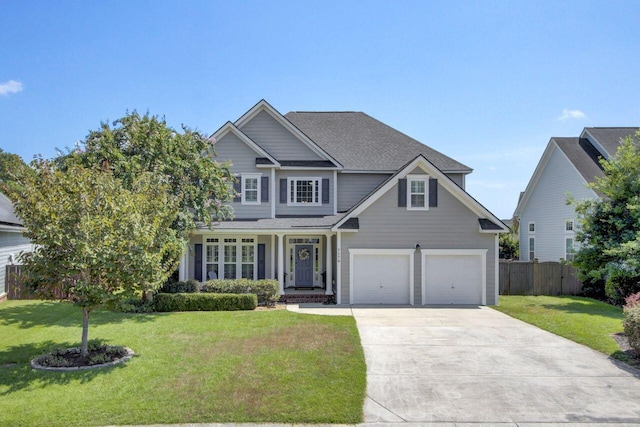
(538, 278)
(15, 289)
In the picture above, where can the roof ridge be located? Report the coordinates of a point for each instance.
(326, 112)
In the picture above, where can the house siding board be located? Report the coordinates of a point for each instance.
(243, 159)
(265, 131)
(458, 178)
(449, 226)
(353, 187)
(324, 209)
(10, 243)
(548, 209)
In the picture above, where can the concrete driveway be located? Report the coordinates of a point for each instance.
(470, 365)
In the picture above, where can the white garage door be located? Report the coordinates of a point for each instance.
(453, 277)
(381, 276)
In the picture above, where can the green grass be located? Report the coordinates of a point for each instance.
(197, 367)
(583, 320)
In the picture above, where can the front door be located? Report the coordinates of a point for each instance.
(304, 266)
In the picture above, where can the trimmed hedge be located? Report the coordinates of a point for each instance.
(205, 302)
(267, 290)
(182, 287)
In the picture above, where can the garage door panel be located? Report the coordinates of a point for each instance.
(453, 279)
(381, 278)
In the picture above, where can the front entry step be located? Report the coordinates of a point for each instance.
(306, 298)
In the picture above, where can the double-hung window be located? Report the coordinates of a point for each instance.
(531, 228)
(569, 241)
(231, 258)
(417, 192)
(304, 191)
(250, 189)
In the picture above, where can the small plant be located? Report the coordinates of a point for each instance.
(55, 361)
(99, 359)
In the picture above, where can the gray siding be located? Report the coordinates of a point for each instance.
(243, 159)
(451, 225)
(458, 178)
(283, 209)
(547, 207)
(265, 131)
(10, 243)
(352, 187)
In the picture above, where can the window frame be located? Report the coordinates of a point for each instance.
(566, 247)
(532, 252)
(529, 224)
(292, 190)
(425, 181)
(258, 190)
(235, 243)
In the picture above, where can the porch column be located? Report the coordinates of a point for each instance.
(281, 263)
(329, 266)
(273, 256)
(184, 264)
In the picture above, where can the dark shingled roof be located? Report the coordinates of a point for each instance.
(582, 155)
(263, 161)
(360, 142)
(308, 163)
(351, 224)
(610, 137)
(7, 216)
(486, 224)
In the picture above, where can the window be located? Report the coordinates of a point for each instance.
(417, 195)
(532, 248)
(532, 227)
(570, 249)
(304, 191)
(251, 189)
(568, 225)
(231, 258)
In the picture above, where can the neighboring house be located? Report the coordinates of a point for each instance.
(338, 202)
(547, 222)
(12, 242)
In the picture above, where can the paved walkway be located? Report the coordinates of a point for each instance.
(477, 365)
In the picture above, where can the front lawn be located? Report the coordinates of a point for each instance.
(583, 320)
(196, 367)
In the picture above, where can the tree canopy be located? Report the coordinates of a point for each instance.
(12, 168)
(609, 232)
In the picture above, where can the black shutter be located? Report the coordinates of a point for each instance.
(325, 191)
(238, 187)
(261, 261)
(283, 191)
(264, 190)
(402, 193)
(433, 193)
(198, 263)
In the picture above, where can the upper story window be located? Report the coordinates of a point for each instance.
(568, 225)
(250, 189)
(305, 191)
(417, 192)
(532, 227)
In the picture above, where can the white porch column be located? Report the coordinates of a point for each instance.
(281, 263)
(273, 256)
(329, 266)
(339, 267)
(183, 271)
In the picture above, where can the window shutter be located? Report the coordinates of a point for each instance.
(402, 193)
(283, 191)
(261, 261)
(238, 187)
(264, 190)
(433, 193)
(198, 263)
(325, 191)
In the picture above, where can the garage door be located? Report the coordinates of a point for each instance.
(454, 277)
(381, 276)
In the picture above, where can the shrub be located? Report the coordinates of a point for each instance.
(183, 287)
(631, 325)
(205, 302)
(267, 289)
(134, 305)
(620, 285)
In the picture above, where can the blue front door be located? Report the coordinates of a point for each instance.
(304, 266)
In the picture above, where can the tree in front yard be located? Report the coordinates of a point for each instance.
(96, 241)
(609, 233)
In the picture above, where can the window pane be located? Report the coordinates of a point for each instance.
(532, 244)
(417, 186)
(247, 271)
(251, 184)
(229, 254)
(230, 271)
(247, 254)
(569, 225)
(532, 227)
(417, 200)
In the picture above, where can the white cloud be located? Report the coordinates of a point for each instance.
(571, 114)
(9, 87)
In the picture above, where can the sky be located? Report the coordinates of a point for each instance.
(487, 83)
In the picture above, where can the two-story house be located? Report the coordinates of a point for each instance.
(547, 222)
(338, 202)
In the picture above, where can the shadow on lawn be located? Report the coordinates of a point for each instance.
(46, 313)
(587, 307)
(20, 376)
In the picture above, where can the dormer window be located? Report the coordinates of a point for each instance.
(304, 191)
(417, 192)
(250, 189)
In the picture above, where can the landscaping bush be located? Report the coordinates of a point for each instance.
(182, 287)
(134, 305)
(631, 320)
(267, 289)
(205, 302)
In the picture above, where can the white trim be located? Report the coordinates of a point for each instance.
(394, 252)
(339, 267)
(12, 228)
(335, 192)
(230, 127)
(317, 190)
(257, 177)
(425, 180)
(328, 265)
(529, 224)
(273, 256)
(443, 182)
(455, 252)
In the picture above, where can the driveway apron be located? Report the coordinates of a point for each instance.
(475, 364)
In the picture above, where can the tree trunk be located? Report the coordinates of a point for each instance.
(84, 349)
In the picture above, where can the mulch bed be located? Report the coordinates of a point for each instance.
(622, 341)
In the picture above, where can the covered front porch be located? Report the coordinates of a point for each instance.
(301, 259)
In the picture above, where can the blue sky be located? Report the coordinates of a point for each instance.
(485, 82)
